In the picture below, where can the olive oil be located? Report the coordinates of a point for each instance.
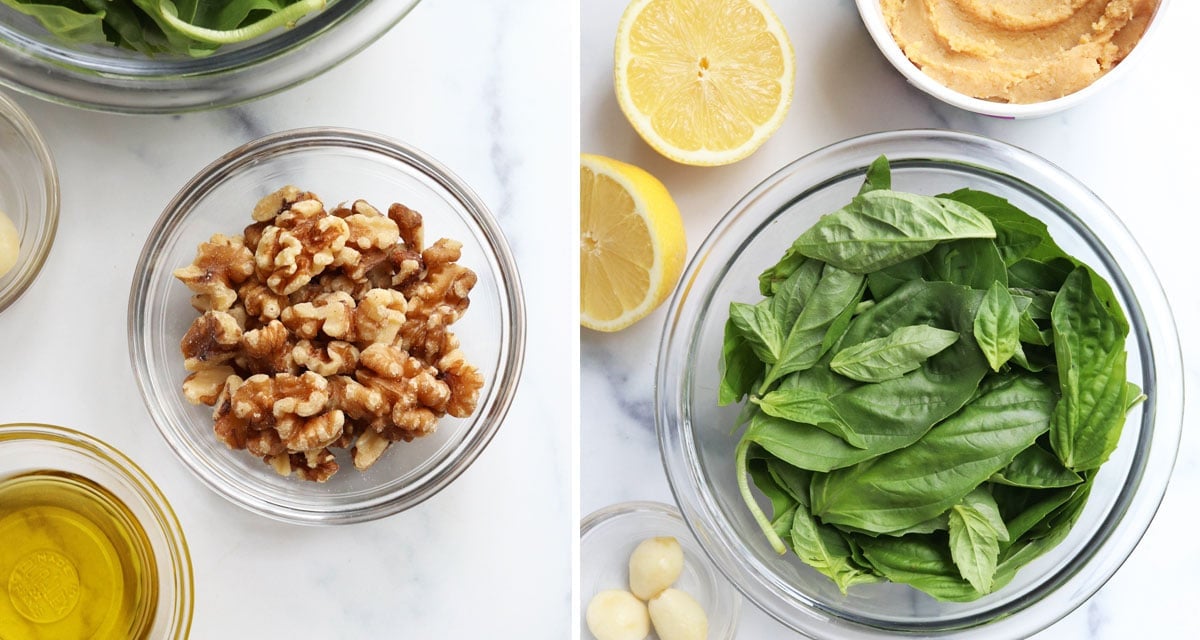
(74, 562)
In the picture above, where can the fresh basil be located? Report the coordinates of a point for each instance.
(881, 228)
(932, 383)
(890, 357)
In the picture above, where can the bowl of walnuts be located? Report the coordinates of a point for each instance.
(326, 326)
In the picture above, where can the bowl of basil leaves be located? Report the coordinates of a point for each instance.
(165, 56)
(919, 382)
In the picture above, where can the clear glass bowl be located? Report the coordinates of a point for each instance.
(28, 196)
(608, 536)
(109, 78)
(338, 165)
(697, 446)
(28, 448)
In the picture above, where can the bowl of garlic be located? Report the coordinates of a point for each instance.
(644, 575)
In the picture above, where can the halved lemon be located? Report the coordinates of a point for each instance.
(631, 243)
(705, 82)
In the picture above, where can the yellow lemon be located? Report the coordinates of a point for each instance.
(631, 243)
(705, 82)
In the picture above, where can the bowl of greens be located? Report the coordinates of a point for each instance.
(161, 56)
(919, 382)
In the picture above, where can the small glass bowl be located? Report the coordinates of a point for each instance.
(698, 448)
(338, 165)
(871, 12)
(28, 196)
(608, 536)
(29, 448)
(108, 78)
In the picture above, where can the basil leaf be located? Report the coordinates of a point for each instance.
(975, 534)
(1133, 396)
(879, 176)
(1036, 468)
(1046, 535)
(66, 23)
(973, 262)
(771, 277)
(881, 228)
(793, 293)
(741, 462)
(1090, 354)
(824, 549)
(765, 483)
(920, 561)
(756, 324)
(837, 291)
(793, 480)
(886, 358)
(997, 326)
(808, 407)
(740, 367)
(913, 484)
(1018, 234)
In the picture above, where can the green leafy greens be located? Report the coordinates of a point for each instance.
(179, 27)
(930, 384)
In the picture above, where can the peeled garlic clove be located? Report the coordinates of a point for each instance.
(677, 616)
(654, 565)
(617, 615)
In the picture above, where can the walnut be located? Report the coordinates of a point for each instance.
(379, 316)
(331, 314)
(205, 386)
(464, 382)
(301, 243)
(327, 329)
(268, 350)
(259, 301)
(211, 341)
(220, 264)
(410, 224)
(367, 449)
(336, 357)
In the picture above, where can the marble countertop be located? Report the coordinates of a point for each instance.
(487, 89)
(1131, 145)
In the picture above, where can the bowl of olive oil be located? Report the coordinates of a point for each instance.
(89, 547)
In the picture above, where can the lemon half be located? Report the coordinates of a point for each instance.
(632, 243)
(705, 82)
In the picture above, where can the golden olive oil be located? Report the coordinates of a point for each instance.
(74, 562)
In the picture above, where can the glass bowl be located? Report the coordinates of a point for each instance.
(871, 12)
(608, 536)
(109, 78)
(43, 449)
(28, 196)
(336, 164)
(697, 446)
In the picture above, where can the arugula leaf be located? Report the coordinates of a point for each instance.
(881, 228)
(997, 326)
(890, 357)
(976, 530)
(916, 483)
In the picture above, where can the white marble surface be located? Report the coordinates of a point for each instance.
(485, 87)
(1131, 145)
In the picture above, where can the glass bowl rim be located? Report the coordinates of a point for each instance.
(47, 219)
(174, 76)
(152, 497)
(1160, 430)
(510, 358)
